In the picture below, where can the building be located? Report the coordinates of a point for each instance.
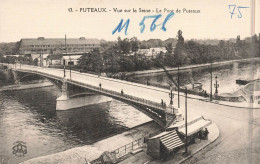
(43, 45)
(42, 59)
(152, 51)
(72, 59)
(56, 59)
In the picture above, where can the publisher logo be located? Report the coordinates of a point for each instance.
(19, 148)
(3, 160)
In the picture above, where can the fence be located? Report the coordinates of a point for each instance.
(119, 153)
(122, 95)
(122, 151)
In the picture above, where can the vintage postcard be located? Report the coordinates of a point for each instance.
(130, 81)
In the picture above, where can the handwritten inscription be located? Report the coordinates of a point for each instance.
(235, 10)
(153, 25)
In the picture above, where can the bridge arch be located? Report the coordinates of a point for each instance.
(20, 76)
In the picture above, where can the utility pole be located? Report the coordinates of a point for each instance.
(216, 86)
(210, 96)
(178, 86)
(66, 55)
(171, 95)
(41, 63)
(186, 122)
(64, 62)
(186, 125)
(64, 69)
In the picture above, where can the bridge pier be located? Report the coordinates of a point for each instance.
(16, 78)
(61, 102)
(66, 101)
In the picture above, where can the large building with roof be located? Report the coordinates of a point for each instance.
(43, 45)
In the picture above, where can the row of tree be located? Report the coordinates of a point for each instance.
(123, 55)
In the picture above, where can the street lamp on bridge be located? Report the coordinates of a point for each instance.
(171, 95)
(216, 85)
(210, 96)
(64, 62)
(185, 154)
(178, 86)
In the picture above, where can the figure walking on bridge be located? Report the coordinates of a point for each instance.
(100, 86)
(122, 92)
(162, 102)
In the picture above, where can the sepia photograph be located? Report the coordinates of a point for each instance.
(129, 82)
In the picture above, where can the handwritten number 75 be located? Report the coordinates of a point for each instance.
(232, 8)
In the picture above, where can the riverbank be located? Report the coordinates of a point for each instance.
(189, 67)
(177, 158)
(79, 155)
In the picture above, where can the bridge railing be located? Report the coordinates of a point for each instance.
(125, 96)
(161, 106)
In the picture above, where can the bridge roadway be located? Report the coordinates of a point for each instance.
(147, 94)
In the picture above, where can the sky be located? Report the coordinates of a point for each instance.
(52, 19)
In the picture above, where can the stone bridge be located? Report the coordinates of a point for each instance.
(152, 101)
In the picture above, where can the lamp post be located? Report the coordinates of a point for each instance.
(178, 86)
(185, 154)
(64, 68)
(216, 85)
(69, 63)
(210, 96)
(171, 95)
(41, 63)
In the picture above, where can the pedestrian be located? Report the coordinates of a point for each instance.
(200, 134)
(100, 85)
(162, 102)
(205, 93)
(206, 132)
(251, 99)
(122, 92)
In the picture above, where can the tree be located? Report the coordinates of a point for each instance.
(124, 45)
(238, 41)
(127, 64)
(180, 39)
(134, 44)
(92, 61)
(169, 48)
(111, 58)
(179, 54)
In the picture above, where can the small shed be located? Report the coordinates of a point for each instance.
(56, 59)
(163, 143)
